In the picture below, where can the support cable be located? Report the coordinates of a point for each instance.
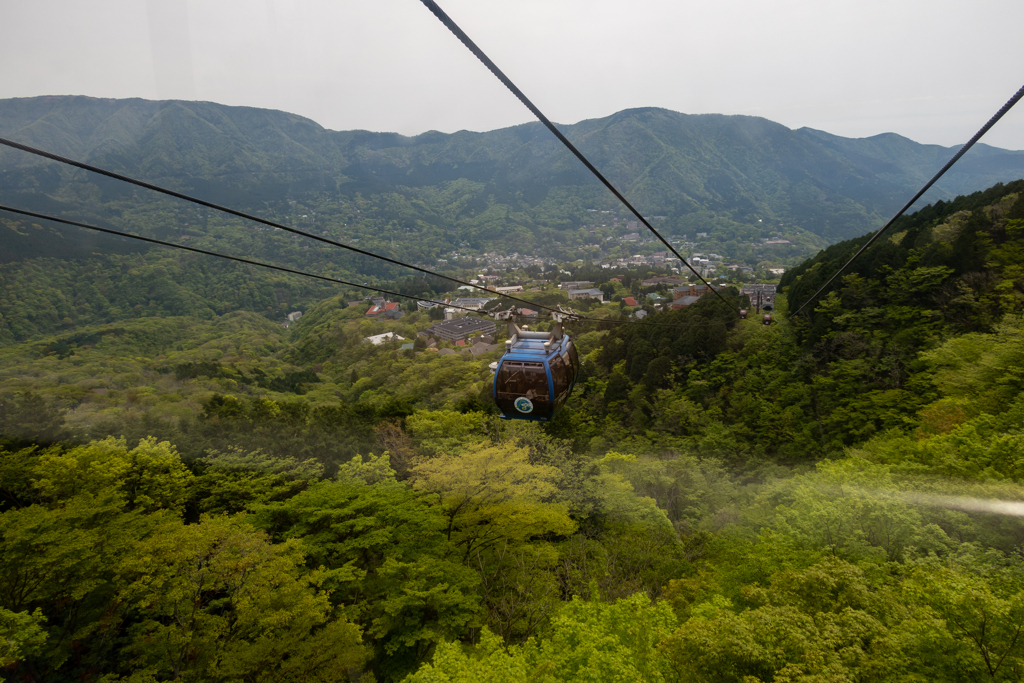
(292, 271)
(250, 217)
(461, 35)
(229, 257)
(956, 157)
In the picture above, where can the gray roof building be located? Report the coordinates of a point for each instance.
(684, 301)
(579, 284)
(473, 302)
(460, 328)
(575, 294)
(481, 348)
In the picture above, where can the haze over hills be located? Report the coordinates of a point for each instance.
(702, 172)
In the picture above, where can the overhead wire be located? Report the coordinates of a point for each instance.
(464, 38)
(956, 157)
(241, 214)
(493, 68)
(206, 252)
(569, 317)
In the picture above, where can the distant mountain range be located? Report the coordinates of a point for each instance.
(740, 168)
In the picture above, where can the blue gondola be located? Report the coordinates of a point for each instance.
(536, 375)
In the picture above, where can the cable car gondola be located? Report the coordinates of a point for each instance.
(534, 378)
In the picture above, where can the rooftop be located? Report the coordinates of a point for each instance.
(460, 328)
(377, 309)
(379, 339)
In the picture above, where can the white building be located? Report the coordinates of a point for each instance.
(379, 339)
(474, 303)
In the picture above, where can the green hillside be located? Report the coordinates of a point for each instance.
(199, 494)
(703, 173)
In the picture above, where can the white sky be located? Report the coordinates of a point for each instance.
(932, 70)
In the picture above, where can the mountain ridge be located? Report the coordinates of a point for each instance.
(744, 168)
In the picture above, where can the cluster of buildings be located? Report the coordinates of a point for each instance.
(455, 328)
(658, 259)
(456, 331)
(690, 294)
(457, 306)
(514, 260)
(705, 264)
(461, 330)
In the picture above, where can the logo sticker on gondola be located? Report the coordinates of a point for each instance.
(523, 405)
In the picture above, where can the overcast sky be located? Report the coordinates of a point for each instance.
(932, 70)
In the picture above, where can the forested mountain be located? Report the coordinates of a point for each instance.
(705, 172)
(192, 491)
(832, 497)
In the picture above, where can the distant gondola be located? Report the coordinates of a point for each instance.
(767, 319)
(743, 314)
(534, 378)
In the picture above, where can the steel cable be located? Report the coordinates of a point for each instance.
(956, 157)
(242, 214)
(461, 35)
(293, 271)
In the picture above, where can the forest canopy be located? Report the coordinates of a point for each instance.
(204, 495)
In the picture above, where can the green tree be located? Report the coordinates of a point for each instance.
(235, 480)
(444, 431)
(148, 477)
(491, 494)
(981, 603)
(21, 634)
(218, 602)
(588, 640)
(59, 555)
(813, 624)
(384, 553)
(854, 509)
